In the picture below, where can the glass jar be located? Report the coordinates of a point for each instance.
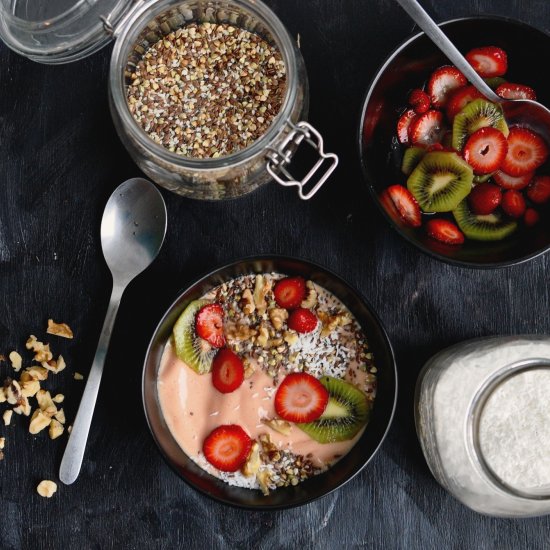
(490, 457)
(60, 31)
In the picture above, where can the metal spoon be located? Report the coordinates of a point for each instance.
(516, 111)
(132, 232)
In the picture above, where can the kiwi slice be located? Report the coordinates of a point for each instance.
(489, 227)
(440, 181)
(411, 158)
(479, 113)
(347, 412)
(494, 82)
(190, 348)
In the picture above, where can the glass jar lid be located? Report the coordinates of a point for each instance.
(59, 31)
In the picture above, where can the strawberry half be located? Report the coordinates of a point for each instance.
(509, 90)
(488, 61)
(485, 150)
(459, 98)
(405, 204)
(484, 198)
(227, 371)
(444, 231)
(403, 124)
(442, 82)
(419, 101)
(513, 203)
(302, 320)
(511, 182)
(427, 129)
(301, 398)
(209, 324)
(539, 190)
(227, 447)
(531, 217)
(526, 152)
(290, 292)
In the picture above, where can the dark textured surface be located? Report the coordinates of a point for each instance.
(59, 161)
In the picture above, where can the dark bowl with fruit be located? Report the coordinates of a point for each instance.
(443, 165)
(314, 487)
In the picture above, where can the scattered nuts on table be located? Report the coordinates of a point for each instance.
(16, 361)
(78, 376)
(46, 488)
(59, 329)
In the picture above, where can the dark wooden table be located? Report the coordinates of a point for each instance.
(60, 159)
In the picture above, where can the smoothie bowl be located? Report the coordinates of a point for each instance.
(450, 172)
(269, 383)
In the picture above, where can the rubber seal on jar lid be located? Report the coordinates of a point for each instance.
(61, 31)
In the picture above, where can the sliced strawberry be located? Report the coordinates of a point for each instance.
(526, 152)
(419, 101)
(403, 124)
(531, 217)
(302, 320)
(301, 398)
(442, 82)
(488, 61)
(444, 231)
(511, 182)
(484, 198)
(513, 203)
(539, 190)
(289, 292)
(508, 90)
(209, 324)
(485, 150)
(227, 371)
(427, 129)
(406, 205)
(459, 98)
(227, 447)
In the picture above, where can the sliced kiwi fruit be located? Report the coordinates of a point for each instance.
(190, 348)
(479, 113)
(411, 158)
(488, 227)
(494, 82)
(440, 181)
(482, 178)
(347, 411)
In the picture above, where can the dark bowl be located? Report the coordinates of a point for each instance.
(409, 67)
(319, 485)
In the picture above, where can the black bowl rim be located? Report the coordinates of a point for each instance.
(366, 99)
(366, 303)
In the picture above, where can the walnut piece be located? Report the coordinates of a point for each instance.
(2, 442)
(16, 361)
(331, 322)
(240, 332)
(46, 488)
(60, 416)
(59, 329)
(24, 407)
(59, 398)
(248, 302)
(56, 429)
(13, 392)
(311, 299)
(264, 479)
(78, 376)
(45, 402)
(29, 387)
(253, 462)
(249, 367)
(7, 417)
(278, 316)
(37, 373)
(42, 351)
(261, 288)
(3, 397)
(281, 426)
(290, 337)
(55, 366)
(263, 336)
(39, 421)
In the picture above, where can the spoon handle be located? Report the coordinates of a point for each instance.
(438, 37)
(74, 452)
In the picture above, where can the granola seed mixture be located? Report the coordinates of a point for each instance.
(207, 90)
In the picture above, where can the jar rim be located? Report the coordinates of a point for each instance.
(138, 21)
(477, 406)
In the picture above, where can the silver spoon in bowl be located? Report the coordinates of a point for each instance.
(524, 112)
(132, 232)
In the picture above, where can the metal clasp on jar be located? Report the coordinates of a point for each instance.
(279, 158)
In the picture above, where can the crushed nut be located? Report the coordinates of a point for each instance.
(281, 426)
(78, 376)
(56, 429)
(60, 415)
(39, 421)
(330, 322)
(263, 336)
(13, 391)
(3, 397)
(55, 366)
(7, 417)
(46, 488)
(248, 302)
(261, 288)
(45, 402)
(29, 387)
(253, 462)
(249, 367)
(290, 337)
(42, 351)
(311, 299)
(240, 332)
(59, 329)
(264, 479)
(16, 361)
(278, 316)
(24, 407)
(2, 442)
(59, 398)
(38, 373)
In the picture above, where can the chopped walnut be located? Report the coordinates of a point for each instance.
(59, 329)
(13, 391)
(55, 366)
(38, 373)
(29, 387)
(249, 367)
(39, 421)
(42, 351)
(330, 322)
(59, 398)
(261, 288)
(290, 337)
(278, 316)
(60, 416)
(263, 336)
(281, 426)
(16, 361)
(264, 479)
(23, 407)
(2, 442)
(7, 417)
(248, 302)
(46, 488)
(311, 299)
(78, 376)
(240, 332)
(253, 462)
(3, 397)
(56, 429)
(45, 402)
